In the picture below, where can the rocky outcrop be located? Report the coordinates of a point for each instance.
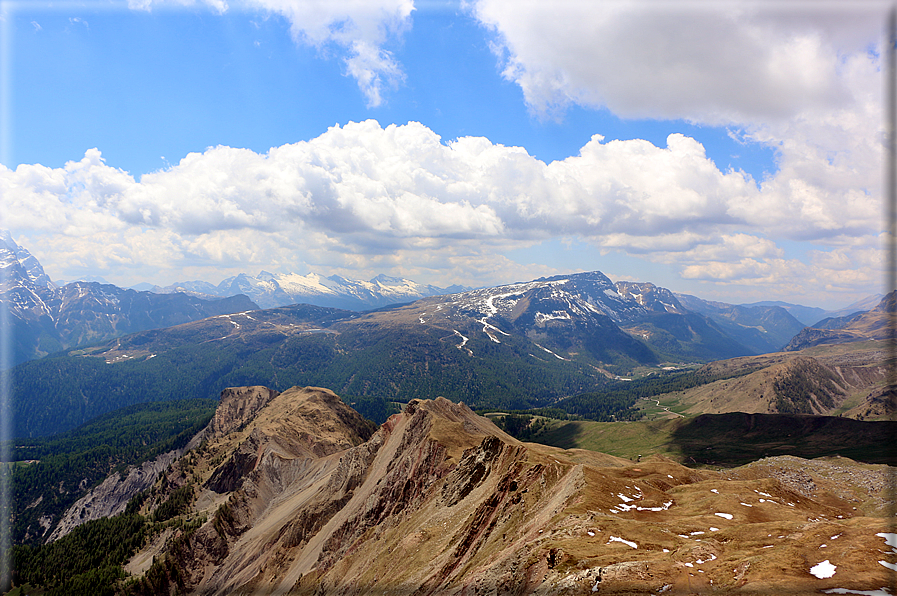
(236, 407)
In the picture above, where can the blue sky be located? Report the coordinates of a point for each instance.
(104, 101)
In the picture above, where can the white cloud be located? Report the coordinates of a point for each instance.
(362, 195)
(359, 27)
(715, 63)
(220, 6)
(803, 78)
(796, 77)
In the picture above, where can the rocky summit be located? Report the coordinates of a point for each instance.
(294, 493)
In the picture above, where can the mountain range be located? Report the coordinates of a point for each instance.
(521, 345)
(516, 346)
(877, 323)
(46, 318)
(270, 290)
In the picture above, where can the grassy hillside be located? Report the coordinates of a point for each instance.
(729, 439)
(830, 380)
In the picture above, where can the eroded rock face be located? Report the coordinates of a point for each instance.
(112, 495)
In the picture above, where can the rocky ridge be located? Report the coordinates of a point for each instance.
(440, 501)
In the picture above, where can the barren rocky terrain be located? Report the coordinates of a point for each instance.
(440, 501)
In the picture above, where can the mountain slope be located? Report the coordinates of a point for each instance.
(838, 380)
(440, 501)
(762, 328)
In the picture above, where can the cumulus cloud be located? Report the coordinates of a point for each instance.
(363, 195)
(801, 78)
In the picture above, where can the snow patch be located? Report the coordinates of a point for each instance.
(890, 538)
(725, 515)
(552, 353)
(879, 592)
(561, 315)
(463, 342)
(626, 542)
(823, 570)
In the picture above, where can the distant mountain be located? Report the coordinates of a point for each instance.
(807, 315)
(270, 290)
(762, 327)
(874, 324)
(811, 315)
(838, 322)
(47, 318)
(515, 346)
(863, 305)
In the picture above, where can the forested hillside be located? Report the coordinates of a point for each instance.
(58, 393)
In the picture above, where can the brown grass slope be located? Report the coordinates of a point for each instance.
(440, 501)
(874, 324)
(843, 380)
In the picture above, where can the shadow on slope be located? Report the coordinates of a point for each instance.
(737, 438)
(731, 439)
